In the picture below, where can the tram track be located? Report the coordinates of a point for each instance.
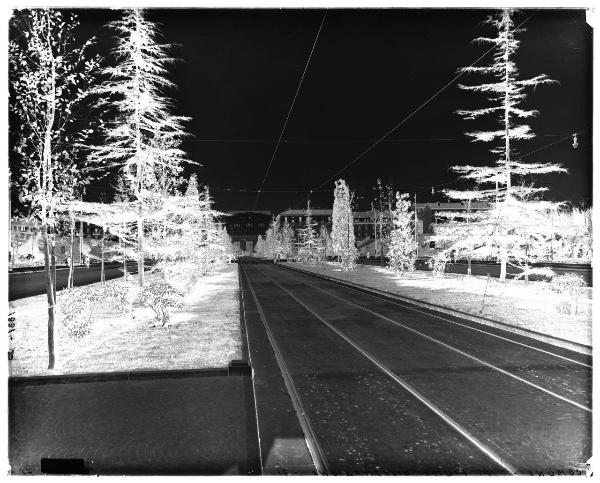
(446, 418)
(500, 461)
(312, 443)
(559, 357)
(450, 347)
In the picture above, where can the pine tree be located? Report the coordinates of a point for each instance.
(308, 249)
(260, 246)
(212, 250)
(50, 74)
(192, 187)
(381, 209)
(512, 203)
(143, 138)
(402, 251)
(342, 232)
(326, 241)
(273, 244)
(287, 239)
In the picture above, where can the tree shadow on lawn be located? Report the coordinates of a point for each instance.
(204, 333)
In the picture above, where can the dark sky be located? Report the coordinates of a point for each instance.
(370, 69)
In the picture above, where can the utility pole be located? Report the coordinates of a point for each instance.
(416, 234)
(471, 247)
(374, 227)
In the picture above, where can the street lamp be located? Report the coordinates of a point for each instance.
(416, 226)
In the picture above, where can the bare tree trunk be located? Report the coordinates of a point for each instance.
(70, 278)
(503, 263)
(80, 242)
(49, 295)
(140, 226)
(121, 249)
(47, 190)
(102, 258)
(53, 261)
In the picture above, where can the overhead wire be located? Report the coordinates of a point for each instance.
(290, 110)
(448, 84)
(288, 116)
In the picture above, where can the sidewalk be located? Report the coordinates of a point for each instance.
(174, 426)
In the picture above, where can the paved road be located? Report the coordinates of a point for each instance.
(493, 269)
(26, 284)
(383, 387)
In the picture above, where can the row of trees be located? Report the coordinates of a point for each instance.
(77, 117)
(313, 244)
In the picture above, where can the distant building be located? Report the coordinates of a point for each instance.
(244, 227)
(27, 245)
(364, 224)
(429, 213)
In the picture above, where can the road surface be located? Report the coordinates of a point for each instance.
(27, 283)
(384, 387)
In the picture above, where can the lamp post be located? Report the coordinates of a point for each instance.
(374, 227)
(416, 234)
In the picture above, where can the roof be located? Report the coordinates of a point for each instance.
(315, 212)
(235, 212)
(323, 212)
(455, 206)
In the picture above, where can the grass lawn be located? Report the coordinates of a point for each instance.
(204, 333)
(529, 305)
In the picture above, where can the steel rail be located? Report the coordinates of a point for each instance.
(315, 450)
(243, 308)
(407, 305)
(405, 385)
(452, 348)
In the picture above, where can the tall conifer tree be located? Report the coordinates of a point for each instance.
(502, 228)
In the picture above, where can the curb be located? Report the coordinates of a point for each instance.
(243, 328)
(234, 369)
(548, 339)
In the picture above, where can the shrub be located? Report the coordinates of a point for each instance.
(182, 276)
(569, 287)
(161, 297)
(77, 306)
(437, 264)
(121, 294)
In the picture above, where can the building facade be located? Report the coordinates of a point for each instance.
(244, 227)
(27, 244)
(431, 213)
(363, 221)
(368, 224)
